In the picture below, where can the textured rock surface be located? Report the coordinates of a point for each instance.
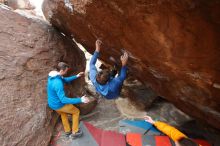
(173, 45)
(138, 94)
(29, 49)
(18, 4)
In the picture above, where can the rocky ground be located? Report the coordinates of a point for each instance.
(109, 112)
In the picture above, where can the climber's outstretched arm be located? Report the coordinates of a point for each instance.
(123, 72)
(93, 69)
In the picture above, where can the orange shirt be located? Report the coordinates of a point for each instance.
(170, 131)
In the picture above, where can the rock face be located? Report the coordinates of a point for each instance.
(173, 45)
(29, 49)
(18, 4)
(137, 93)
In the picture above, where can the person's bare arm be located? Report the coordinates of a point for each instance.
(123, 72)
(80, 74)
(85, 99)
(149, 119)
(98, 45)
(124, 59)
(93, 69)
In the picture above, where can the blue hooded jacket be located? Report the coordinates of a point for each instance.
(112, 88)
(55, 91)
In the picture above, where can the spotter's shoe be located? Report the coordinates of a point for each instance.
(76, 135)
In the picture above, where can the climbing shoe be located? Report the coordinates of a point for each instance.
(67, 134)
(77, 134)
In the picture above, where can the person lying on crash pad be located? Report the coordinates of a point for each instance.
(178, 137)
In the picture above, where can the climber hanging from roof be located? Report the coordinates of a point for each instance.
(105, 81)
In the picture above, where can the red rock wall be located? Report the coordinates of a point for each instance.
(29, 50)
(173, 44)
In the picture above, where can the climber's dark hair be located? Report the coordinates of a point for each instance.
(103, 76)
